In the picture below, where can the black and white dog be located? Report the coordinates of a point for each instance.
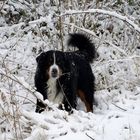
(61, 77)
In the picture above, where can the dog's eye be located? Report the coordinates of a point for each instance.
(51, 59)
(58, 61)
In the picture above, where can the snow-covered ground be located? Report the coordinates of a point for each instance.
(117, 116)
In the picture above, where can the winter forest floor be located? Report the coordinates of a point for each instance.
(27, 28)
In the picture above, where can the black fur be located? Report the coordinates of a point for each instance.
(76, 72)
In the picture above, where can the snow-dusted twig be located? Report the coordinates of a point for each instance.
(89, 136)
(2, 5)
(82, 29)
(105, 12)
(119, 107)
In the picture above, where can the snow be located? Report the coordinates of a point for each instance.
(108, 122)
(115, 117)
(117, 70)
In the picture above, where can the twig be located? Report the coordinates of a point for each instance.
(119, 107)
(25, 98)
(60, 26)
(90, 137)
(2, 5)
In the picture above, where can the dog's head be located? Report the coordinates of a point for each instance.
(51, 63)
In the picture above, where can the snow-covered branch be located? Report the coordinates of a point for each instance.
(105, 12)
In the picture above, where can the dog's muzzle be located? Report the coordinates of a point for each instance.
(54, 73)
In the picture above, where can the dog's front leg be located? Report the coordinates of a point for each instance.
(70, 91)
(41, 88)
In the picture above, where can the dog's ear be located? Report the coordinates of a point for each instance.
(40, 57)
(37, 59)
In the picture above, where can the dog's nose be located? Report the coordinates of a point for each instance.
(54, 72)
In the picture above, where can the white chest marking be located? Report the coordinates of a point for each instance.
(53, 96)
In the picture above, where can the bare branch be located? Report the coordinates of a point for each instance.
(90, 137)
(119, 107)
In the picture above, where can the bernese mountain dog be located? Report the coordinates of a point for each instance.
(61, 77)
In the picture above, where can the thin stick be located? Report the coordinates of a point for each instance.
(119, 107)
(89, 136)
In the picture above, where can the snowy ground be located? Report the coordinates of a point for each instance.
(108, 122)
(115, 117)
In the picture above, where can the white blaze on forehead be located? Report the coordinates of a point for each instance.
(54, 66)
(54, 58)
(54, 62)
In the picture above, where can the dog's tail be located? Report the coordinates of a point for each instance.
(84, 44)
